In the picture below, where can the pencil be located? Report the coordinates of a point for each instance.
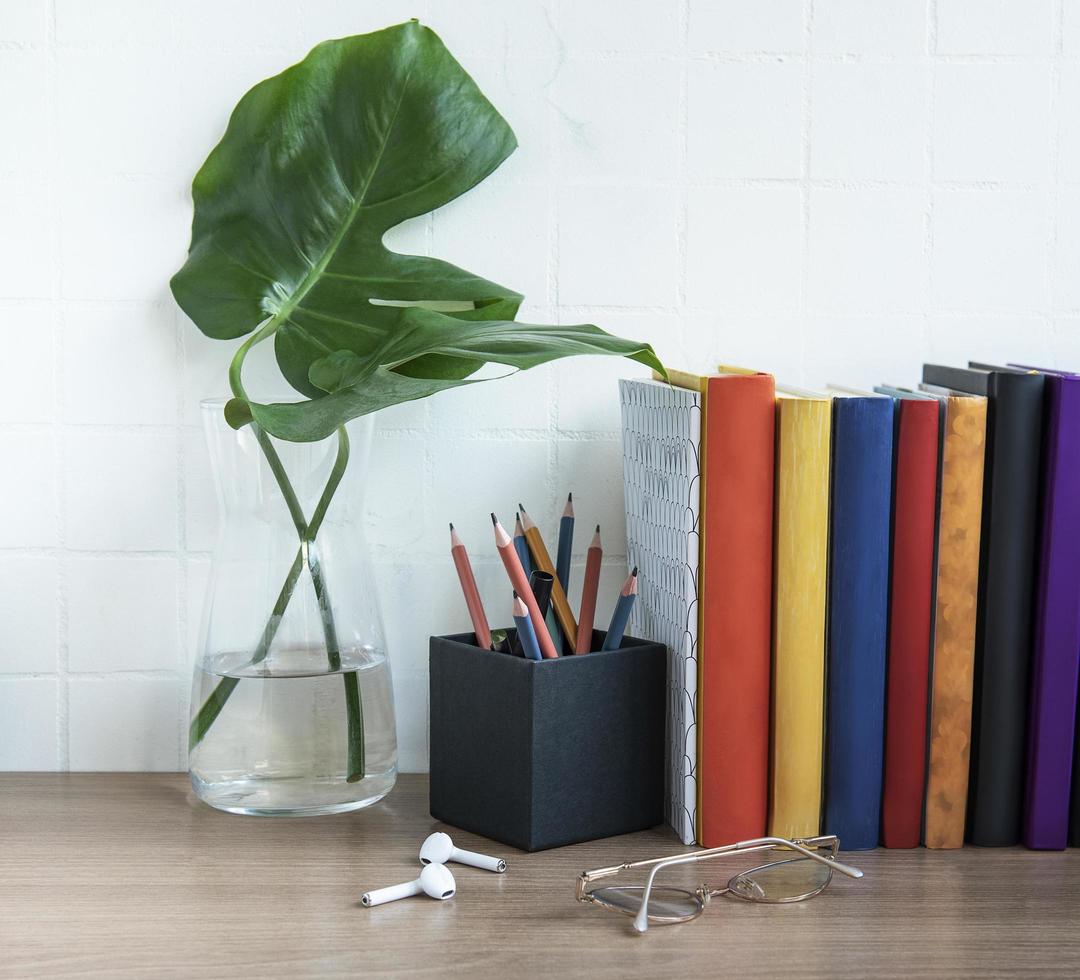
(542, 560)
(472, 594)
(565, 544)
(540, 583)
(525, 632)
(619, 618)
(588, 594)
(521, 546)
(516, 574)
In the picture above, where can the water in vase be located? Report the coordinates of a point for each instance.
(280, 744)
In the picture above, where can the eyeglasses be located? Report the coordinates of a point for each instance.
(793, 879)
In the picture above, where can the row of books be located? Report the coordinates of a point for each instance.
(871, 602)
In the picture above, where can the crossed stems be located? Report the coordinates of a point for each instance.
(307, 555)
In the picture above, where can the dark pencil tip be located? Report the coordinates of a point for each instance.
(515, 593)
(597, 528)
(494, 519)
(451, 525)
(521, 507)
(570, 497)
(634, 572)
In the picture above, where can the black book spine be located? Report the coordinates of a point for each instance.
(1003, 626)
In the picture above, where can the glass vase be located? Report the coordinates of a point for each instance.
(292, 709)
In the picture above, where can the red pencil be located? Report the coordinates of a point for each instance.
(521, 585)
(588, 594)
(472, 594)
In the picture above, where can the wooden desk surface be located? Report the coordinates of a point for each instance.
(128, 875)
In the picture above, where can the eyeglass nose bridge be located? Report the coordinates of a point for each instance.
(744, 884)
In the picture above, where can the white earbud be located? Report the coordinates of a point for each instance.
(439, 848)
(435, 881)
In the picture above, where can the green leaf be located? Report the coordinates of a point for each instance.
(419, 358)
(316, 165)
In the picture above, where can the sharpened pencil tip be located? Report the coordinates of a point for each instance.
(597, 528)
(494, 519)
(634, 572)
(451, 525)
(515, 593)
(570, 497)
(521, 507)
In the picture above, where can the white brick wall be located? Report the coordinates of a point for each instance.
(833, 189)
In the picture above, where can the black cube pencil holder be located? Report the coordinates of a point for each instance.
(538, 754)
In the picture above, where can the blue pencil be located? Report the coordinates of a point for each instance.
(521, 546)
(566, 544)
(526, 633)
(619, 618)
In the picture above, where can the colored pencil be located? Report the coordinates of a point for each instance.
(472, 594)
(621, 615)
(588, 594)
(540, 583)
(525, 632)
(521, 546)
(565, 544)
(542, 560)
(516, 574)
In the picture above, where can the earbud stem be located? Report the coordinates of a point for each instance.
(391, 894)
(478, 860)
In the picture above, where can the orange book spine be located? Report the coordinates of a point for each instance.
(737, 620)
(960, 519)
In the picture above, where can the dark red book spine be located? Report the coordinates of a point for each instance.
(908, 672)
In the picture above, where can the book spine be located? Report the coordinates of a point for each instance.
(661, 436)
(1056, 653)
(1003, 637)
(801, 556)
(914, 517)
(956, 591)
(736, 624)
(858, 612)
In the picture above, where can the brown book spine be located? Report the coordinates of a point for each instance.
(957, 589)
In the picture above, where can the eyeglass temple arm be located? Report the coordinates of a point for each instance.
(641, 920)
(759, 844)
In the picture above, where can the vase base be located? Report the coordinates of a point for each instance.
(291, 797)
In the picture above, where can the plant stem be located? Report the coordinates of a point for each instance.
(306, 555)
(354, 707)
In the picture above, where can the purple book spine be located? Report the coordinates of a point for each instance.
(1056, 659)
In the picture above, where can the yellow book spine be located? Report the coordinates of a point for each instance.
(804, 428)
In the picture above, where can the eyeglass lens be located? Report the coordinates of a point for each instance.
(665, 904)
(785, 881)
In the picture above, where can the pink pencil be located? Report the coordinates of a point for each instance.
(521, 585)
(472, 594)
(588, 594)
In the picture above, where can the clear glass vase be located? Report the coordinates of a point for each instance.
(292, 709)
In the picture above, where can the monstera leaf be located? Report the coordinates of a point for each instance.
(291, 207)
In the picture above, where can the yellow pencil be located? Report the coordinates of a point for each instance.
(542, 560)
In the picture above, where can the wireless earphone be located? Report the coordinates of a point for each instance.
(439, 848)
(435, 881)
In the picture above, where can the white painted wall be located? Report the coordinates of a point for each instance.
(831, 189)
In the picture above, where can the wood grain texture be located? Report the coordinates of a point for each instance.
(954, 630)
(128, 876)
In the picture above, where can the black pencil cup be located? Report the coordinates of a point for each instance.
(542, 754)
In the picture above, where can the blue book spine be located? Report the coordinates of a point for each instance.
(859, 553)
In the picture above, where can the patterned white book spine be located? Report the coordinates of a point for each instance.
(661, 436)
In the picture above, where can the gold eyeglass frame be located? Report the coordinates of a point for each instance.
(804, 847)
